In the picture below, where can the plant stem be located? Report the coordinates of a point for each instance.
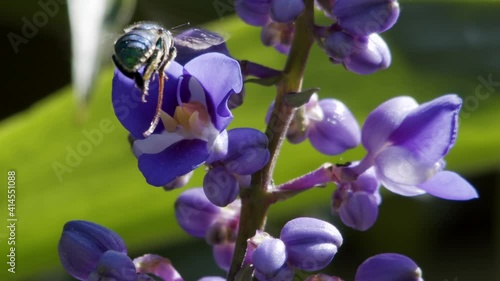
(257, 199)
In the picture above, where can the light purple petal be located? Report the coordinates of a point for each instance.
(135, 115)
(449, 185)
(212, 278)
(176, 160)
(157, 265)
(194, 213)
(430, 131)
(286, 10)
(253, 12)
(401, 189)
(269, 257)
(359, 211)
(382, 121)
(361, 17)
(339, 45)
(220, 186)
(220, 76)
(400, 165)
(370, 54)
(337, 132)
(223, 254)
(388, 267)
(247, 151)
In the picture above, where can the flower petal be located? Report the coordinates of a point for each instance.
(247, 151)
(388, 267)
(113, 265)
(223, 254)
(253, 12)
(194, 212)
(220, 76)
(135, 115)
(449, 185)
(157, 265)
(370, 54)
(220, 186)
(430, 131)
(359, 211)
(286, 10)
(176, 160)
(382, 121)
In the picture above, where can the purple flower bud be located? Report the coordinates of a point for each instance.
(114, 265)
(278, 35)
(81, 245)
(158, 266)
(286, 11)
(194, 212)
(310, 243)
(339, 45)
(323, 277)
(364, 17)
(253, 12)
(370, 54)
(336, 131)
(247, 151)
(220, 186)
(223, 254)
(212, 278)
(388, 267)
(269, 259)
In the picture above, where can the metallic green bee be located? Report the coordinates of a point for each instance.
(149, 45)
(152, 46)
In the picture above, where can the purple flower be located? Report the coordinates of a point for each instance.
(357, 202)
(253, 12)
(223, 254)
(359, 54)
(194, 116)
(113, 265)
(286, 11)
(158, 266)
(323, 277)
(212, 278)
(83, 243)
(200, 218)
(388, 267)
(270, 259)
(328, 123)
(310, 243)
(364, 17)
(247, 153)
(406, 144)
(278, 35)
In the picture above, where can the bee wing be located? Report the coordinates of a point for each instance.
(199, 39)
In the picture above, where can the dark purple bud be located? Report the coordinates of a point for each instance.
(178, 182)
(158, 266)
(310, 243)
(81, 245)
(114, 266)
(220, 186)
(359, 210)
(253, 12)
(323, 277)
(278, 35)
(339, 45)
(269, 258)
(223, 254)
(388, 267)
(286, 11)
(364, 17)
(194, 212)
(370, 54)
(336, 131)
(247, 151)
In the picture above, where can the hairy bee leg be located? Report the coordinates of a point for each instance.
(156, 119)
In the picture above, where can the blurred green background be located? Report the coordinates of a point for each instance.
(437, 48)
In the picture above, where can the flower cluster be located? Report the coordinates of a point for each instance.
(352, 40)
(405, 144)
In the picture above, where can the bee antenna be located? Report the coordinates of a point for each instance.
(180, 26)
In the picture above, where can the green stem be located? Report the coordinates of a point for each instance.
(257, 199)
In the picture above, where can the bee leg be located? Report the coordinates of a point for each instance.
(156, 118)
(142, 85)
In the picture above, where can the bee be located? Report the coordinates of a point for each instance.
(149, 45)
